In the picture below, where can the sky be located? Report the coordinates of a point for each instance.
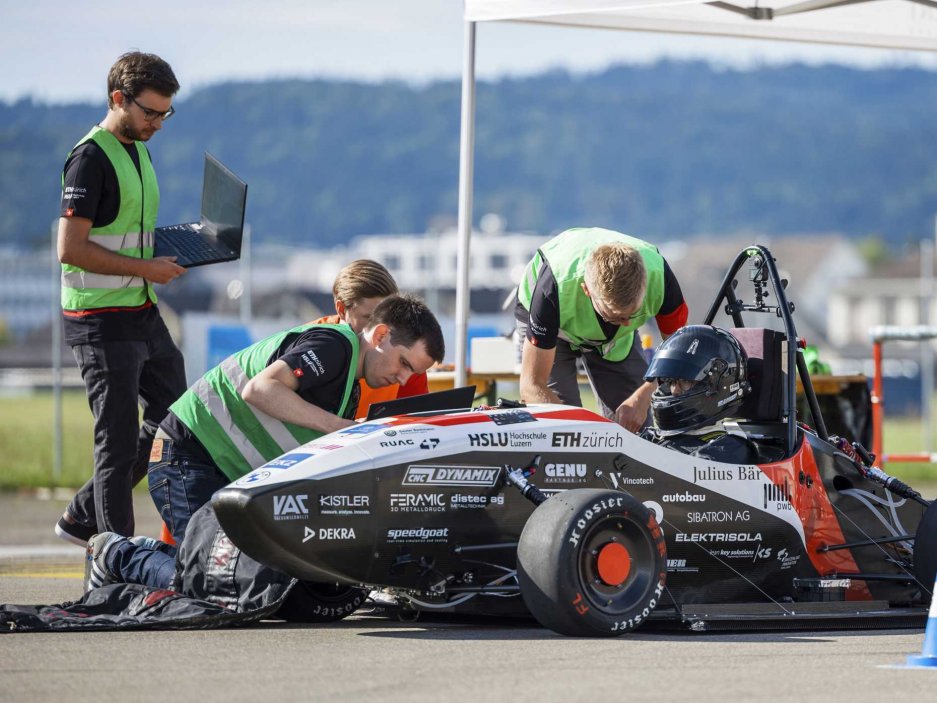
(58, 52)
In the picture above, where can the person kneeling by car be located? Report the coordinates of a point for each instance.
(701, 375)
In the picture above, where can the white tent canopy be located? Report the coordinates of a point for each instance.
(890, 24)
(895, 24)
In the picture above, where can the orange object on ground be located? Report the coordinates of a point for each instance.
(166, 536)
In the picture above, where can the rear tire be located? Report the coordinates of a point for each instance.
(591, 563)
(313, 602)
(925, 552)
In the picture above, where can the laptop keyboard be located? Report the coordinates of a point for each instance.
(191, 248)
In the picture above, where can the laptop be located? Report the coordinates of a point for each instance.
(452, 399)
(216, 237)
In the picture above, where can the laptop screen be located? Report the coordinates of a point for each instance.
(452, 399)
(223, 199)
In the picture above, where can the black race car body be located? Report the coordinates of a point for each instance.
(439, 509)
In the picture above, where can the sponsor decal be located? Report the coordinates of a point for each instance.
(344, 505)
(686, 497)
(328, 534)
(397, 443)
(620, 480)
(565, 473)
(762, 553)
(777, 497)
(390, 433)
(740, 473)
(787, 559)
(253, 477)
(468, 501)
(719, 516)
(362, 429)
(290, 507)
(715, 537)
(312, 362)
(326, 447)
(434, 475)
(417, 502)
(512, 417)
(505, 439)
(734, 553)
(429, 443)
(587, 441)
(418, 534)
(679, 566)
(286, 461)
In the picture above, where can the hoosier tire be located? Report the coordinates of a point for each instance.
(591, 563)
(313, 602)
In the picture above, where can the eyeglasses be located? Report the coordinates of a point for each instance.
(151, 115)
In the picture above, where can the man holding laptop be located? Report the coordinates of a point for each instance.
(110, 200)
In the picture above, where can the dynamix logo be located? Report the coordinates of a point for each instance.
(432, 475)
(290, 507)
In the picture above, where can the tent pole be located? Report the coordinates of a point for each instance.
(466, 168)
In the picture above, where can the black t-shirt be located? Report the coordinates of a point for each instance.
(319, 359)
(91, 190)
(543, 318)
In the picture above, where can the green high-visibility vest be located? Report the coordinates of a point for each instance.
(130, 234)
(566, 255)
(238, 436)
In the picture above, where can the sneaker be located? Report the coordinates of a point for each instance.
(154, 544)
(76, 533)
(96, 572)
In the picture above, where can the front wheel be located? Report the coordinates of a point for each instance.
(591, 563)
(313, 602)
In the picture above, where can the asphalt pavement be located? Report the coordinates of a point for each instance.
(375, 657)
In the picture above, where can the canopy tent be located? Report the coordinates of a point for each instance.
(891, 24)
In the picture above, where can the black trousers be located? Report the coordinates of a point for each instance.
(117, 376)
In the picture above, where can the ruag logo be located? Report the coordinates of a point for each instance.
(397, 443)
(328, 534)
(344, 505)
(417, 502)
(565, 473)
(434, 475)
(418, 534)
(290, 507)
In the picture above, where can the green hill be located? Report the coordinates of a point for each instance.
(669, 150)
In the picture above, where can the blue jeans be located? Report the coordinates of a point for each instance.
(119, 375)
(138, 564)
(180, 484)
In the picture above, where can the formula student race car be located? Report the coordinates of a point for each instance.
(555, 511)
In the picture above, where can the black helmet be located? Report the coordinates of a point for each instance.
(714, 362)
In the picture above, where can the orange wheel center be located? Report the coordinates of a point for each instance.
(613, 564)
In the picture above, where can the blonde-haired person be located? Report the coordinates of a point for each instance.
(358, 288)
(584, 295)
